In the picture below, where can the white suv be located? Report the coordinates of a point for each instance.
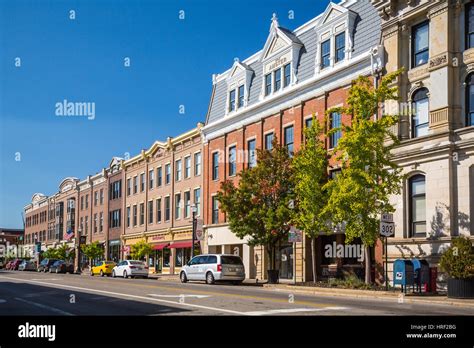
(214, 267)
(130, 268)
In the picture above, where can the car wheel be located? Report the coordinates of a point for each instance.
(209, 278)
(183, 277)
(125, 274)
(92, 273)
(101, 273)
(113, 274)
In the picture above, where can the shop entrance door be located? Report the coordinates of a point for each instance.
(159, 261)
(285, 260)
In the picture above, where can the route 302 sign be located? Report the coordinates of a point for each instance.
(387, 227)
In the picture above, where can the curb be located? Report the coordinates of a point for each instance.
(370, 295)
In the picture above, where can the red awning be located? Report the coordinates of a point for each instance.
(178, 245)
(160, 246)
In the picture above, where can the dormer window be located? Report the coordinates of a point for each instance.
(277, 79)
(340, 46)
(232, 100)
(287, 69)
(241, 96)
(325, 54)
(268, 84)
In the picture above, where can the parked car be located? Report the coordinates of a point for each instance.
(130, 268)
(103, 268)
(45, 264)
(27, 265)
(61, 266)
(214, 267)
(13, 265)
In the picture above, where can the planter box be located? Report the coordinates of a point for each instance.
(273, 276)
(461, 288)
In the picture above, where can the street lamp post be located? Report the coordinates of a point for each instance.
(194, 210)
(78, 238)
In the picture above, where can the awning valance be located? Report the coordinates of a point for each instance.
(160, 246)
(183, 244)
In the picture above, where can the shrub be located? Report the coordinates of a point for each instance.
(458, 259)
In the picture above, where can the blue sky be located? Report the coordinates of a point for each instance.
(82, 60)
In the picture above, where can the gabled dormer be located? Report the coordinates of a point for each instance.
(334, 36)
(238, 86)
(279, 59)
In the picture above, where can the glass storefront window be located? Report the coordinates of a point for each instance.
(166, 257)
(179, 258)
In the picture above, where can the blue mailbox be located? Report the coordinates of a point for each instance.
(403, 273)
(421, 270)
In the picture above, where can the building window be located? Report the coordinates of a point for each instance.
(101, 222)
(86, 223)
(325, 53)
(215, 210)
(420, 44)
(101, 196)
(179, 170)
(333, 174)
(269, 141)
(114, 217)
(187, 204)
(142, 213)
(87, 201)
(142, 182)
(469, 26)
(135, 215)
(308, 122)
(232, 161)
(150, 212)
(167, 174)
(167, 208)
(268, 84)
(187, 167)
(335, 123)
(82, 202)
(158, 210)
(241, 96)
(417, 202)
(177, 206)
(96, 198)
(197, 164)
(277, 80)
(340, 47)
(420, 113)
(95, 223)
(197, 201)
(151, 179)
(232, 100)
(252, 158)
(215, 166)
(289, 139)
(287, 71)
(159, 175)
(129, 187)
(128, 216)
(116, 189)
(470, 100)
(135, 184)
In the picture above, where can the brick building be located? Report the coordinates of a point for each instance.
(274, 93)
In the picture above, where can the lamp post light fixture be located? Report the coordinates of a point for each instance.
(194, 210)
(78, 244)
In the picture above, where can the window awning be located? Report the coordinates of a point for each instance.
(183, 244)
(160, 246)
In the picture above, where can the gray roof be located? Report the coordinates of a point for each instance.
(366, 35)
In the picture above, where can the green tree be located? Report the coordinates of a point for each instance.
(258, 207)
(50, 253)
(93, 251)
(458, 259)
(369, 176)
(310, 175)
(63, 252)
(141, 249)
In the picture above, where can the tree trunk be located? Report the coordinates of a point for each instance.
(368, 277)
(313, 259)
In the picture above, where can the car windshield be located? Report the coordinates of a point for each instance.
(231, 260)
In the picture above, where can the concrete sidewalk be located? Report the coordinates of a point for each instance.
(370, 294)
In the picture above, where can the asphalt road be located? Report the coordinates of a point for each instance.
(33, 293)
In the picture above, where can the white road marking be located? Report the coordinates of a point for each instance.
(52, 309)
(293, 310)
(43, 278)
(3, 301)
(179, 296)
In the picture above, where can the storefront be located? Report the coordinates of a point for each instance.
(169, 257)
(114, 250)
(284, 260)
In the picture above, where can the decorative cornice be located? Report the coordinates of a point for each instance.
(437, 9)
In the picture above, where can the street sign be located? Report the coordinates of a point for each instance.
(199, 229)
(387, 229)
(386, 217)
(295, 235)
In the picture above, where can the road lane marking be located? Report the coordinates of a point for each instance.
(42, 306)
(3, 301)
(179, 296)
(292, 310)
(42, 278)
(132, 296)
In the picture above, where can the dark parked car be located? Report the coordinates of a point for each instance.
(45, 264)
(26, 265)
(13, 265)
(61, 266)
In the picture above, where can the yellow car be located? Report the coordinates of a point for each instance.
(103, 268)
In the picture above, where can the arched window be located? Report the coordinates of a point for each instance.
(417, 206)
(420, 113)
(470, 100)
